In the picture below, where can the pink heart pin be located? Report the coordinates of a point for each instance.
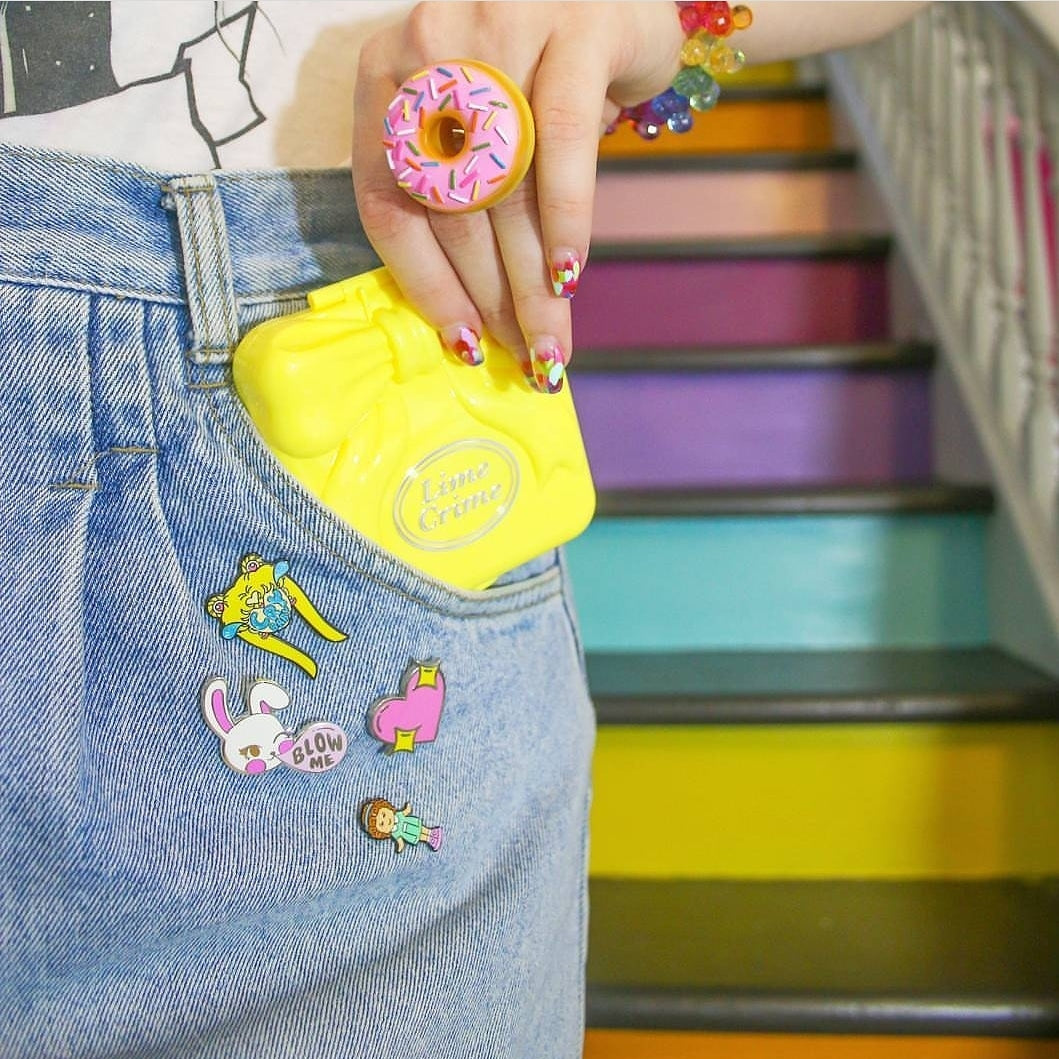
(413, 717)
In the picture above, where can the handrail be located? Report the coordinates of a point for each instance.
(958, 117)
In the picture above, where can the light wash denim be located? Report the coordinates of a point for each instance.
(156, 902)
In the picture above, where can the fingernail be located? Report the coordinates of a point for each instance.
(548, 363)
(566, 272)
(465, 342)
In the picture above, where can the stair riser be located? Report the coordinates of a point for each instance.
(755, 428)
(633, 207)
(766, 125)
(781, 582)
(645, 1044)
(731, 302)
(819, 802)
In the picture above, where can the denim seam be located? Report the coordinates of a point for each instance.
(489, 610)
(64, 283)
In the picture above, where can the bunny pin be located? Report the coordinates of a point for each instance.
(252, 742)
(256, 741)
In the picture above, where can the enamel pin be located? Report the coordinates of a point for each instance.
(255, 742)
(400, 722)
(261, 602)
(382, 821)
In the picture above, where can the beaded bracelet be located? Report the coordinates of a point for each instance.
(705, 54)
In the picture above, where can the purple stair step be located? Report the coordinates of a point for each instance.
(646, 429)
(660, 300)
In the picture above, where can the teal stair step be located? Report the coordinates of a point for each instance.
(891, 499)
(780, 582)
(818, 687)
(847, 356)
(966, 958)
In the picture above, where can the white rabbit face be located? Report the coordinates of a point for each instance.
(251, 744)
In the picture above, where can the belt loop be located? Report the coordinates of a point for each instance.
(207, 267)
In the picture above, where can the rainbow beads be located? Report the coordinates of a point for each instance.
(705, 54)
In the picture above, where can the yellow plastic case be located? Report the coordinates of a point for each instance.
(464, 472)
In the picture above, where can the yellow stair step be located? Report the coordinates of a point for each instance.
(869, 801)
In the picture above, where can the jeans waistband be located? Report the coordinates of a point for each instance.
(220, 243)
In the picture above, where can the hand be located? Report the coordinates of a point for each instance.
(577, 64)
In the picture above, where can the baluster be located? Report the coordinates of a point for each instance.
(978, 300)
(916, 117)
(956, 273)
(1039, 440)
(1009, 348)
(937, 192)
(1051, 132)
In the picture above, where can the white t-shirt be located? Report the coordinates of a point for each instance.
(186, 85)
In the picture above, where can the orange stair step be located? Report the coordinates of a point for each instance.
(799, 123)
(671, 1044)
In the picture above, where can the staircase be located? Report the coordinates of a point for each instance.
(826, 815)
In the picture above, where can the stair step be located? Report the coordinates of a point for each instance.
(667, 430)
(812, 246)
(814, 687)
(786, 581)
(833, 159)
(733, 202)
(676, 1044)
(780, 292)
(817, 801)
(849, 356)
(866, 957)
(827, 500)
(780, 118)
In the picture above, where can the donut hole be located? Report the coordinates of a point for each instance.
(446, 137)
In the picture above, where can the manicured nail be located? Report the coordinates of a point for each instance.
(566, 272)
(548, 363)
(465, 342)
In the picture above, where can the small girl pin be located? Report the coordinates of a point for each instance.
(382, 820)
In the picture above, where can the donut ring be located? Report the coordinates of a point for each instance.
(459, 136)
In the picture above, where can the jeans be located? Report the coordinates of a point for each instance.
(163, 895)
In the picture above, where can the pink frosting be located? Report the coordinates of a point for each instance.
(475, 176)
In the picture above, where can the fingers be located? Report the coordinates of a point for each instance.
(399, 228)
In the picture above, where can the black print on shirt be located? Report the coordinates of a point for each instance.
(57, 55)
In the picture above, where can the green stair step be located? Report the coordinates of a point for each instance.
(833, 159)
(772, 687)
(939, 957)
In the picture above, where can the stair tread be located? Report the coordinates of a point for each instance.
(734, 161)
(825, 246)
(816, 956)
(847, 355)
(880, 685)
(898, 498)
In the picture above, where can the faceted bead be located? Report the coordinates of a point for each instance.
(691, 81)
(706, 100)
(723, 59)
(695, 50)
(669, 102)
(680, 122)
(649, 130)
(742, 17)
(690, 19)
(717, 19)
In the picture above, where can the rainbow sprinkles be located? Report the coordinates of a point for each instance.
(459, 136)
